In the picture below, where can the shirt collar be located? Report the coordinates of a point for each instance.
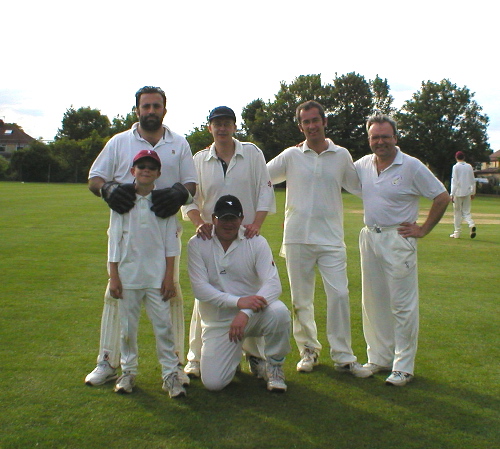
(238, 150)
(331, 146)
(167, 133)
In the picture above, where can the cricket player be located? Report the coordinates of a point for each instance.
(392, 183)
(228, 166)
(315, 173)
(238, 287)
(463, 190)
(111, 179)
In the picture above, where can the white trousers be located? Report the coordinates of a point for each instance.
(461, 211)
(159, 314)
(109, 344)
(301, 260)
(390, 298)
(252, 346)
(220, 357)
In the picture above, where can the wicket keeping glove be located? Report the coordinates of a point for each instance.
(167, 202)
(120, 197)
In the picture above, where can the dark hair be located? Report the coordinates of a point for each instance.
(382, 118)
(309, 105)
(149, 90)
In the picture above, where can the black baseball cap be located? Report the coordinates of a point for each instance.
(228, 205)
(222, 111)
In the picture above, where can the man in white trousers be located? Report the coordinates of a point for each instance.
(315, 173)
(238, 288)
(463, 190)
(392, 183)
(228, 166)
(110, 178)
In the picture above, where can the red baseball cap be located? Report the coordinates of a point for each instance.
(147, 153)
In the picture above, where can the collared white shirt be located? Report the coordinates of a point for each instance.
(219, 278)
(115, 160)
(392, 197)
(246, 178)
(313, 209)
(140, 241)
(463, 182)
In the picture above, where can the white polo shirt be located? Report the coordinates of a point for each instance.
(463, 182)
(392, 197)
(313, 209)
(219, 278)
(246, 178)
(140, 241)
(115, 160)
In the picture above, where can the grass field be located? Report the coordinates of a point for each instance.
(52, 265)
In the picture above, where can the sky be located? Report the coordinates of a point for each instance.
(60, 54)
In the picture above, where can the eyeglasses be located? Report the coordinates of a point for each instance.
(148, 166)
(384, 137)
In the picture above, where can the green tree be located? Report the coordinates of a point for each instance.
(381, 98)
(121, 123)
(79, 124)
(199, 138)
(351, 103)
(33, 163)
(440, 120)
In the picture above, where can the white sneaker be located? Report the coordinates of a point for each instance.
(192, 369)
(399, 378)
(275, 378)
(125, 383)
(455, 236)
(101, 374)
(308, 361)
(374, 368)
(173, 385)
(354, 368)
(257, 366)
(183, 377)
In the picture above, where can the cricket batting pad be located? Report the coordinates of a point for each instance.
(177, 314)
(109, 348)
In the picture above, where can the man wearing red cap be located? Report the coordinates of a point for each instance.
(463, 190)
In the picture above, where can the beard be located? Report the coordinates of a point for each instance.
(150, 122)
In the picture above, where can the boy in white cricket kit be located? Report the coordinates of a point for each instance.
(238, 287)
(141, 252)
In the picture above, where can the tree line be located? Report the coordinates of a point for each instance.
(440, 119)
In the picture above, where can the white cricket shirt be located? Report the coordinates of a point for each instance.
(220, 278)
(463, 182)
(140, 241)
(392, 197)
(313, 209)
(246, 178)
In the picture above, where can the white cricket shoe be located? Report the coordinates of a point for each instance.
(125, 383)
(257, 366)
(374, 368)
(183, 377)
(354, 368)
(308, 361)
(275, 378)
(101, 374)
(455, 236)
(399, 378)
(192, 369)
(173, 385)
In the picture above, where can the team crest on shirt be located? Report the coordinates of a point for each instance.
(269, 184)
(397, 180)
(173, 151)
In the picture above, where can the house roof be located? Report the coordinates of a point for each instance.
(10, 133)
(495, 156)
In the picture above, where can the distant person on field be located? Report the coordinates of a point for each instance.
(392, 183)
(463, 191)
(238, 288)
(110, 178)
(228, 166)
(141, 252)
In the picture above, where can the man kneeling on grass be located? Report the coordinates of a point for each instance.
(237, 283)
(141, 252)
